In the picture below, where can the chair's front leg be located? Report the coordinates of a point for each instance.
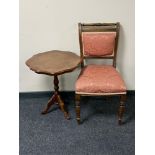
(77, 102)
(121, 108)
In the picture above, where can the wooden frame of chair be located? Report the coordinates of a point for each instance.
(100, 27)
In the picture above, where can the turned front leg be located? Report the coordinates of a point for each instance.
(77, 102)
(121, 108)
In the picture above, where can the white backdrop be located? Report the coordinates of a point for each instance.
(52, 24)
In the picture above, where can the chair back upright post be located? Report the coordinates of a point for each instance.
(98, 28)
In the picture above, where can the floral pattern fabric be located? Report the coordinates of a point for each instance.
(100, 79)
(98, 43)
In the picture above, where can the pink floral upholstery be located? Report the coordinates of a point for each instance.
(99, 79)
(98, 43)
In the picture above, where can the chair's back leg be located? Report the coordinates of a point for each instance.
(77, 102)
(121, 108)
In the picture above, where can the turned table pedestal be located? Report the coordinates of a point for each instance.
(54, 63)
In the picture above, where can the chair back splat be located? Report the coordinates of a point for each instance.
(98, 40)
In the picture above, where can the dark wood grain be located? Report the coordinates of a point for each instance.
(77, 101)
(53, 62)
(121, 108)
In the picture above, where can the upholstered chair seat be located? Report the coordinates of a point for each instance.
(100, 79)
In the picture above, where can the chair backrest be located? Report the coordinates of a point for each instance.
(98, 40)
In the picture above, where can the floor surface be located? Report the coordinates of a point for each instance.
(98, 134)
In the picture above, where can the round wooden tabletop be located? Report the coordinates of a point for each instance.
(53, 62)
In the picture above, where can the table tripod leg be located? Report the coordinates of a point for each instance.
(56, 99)
(49, 104)
(62, 107)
